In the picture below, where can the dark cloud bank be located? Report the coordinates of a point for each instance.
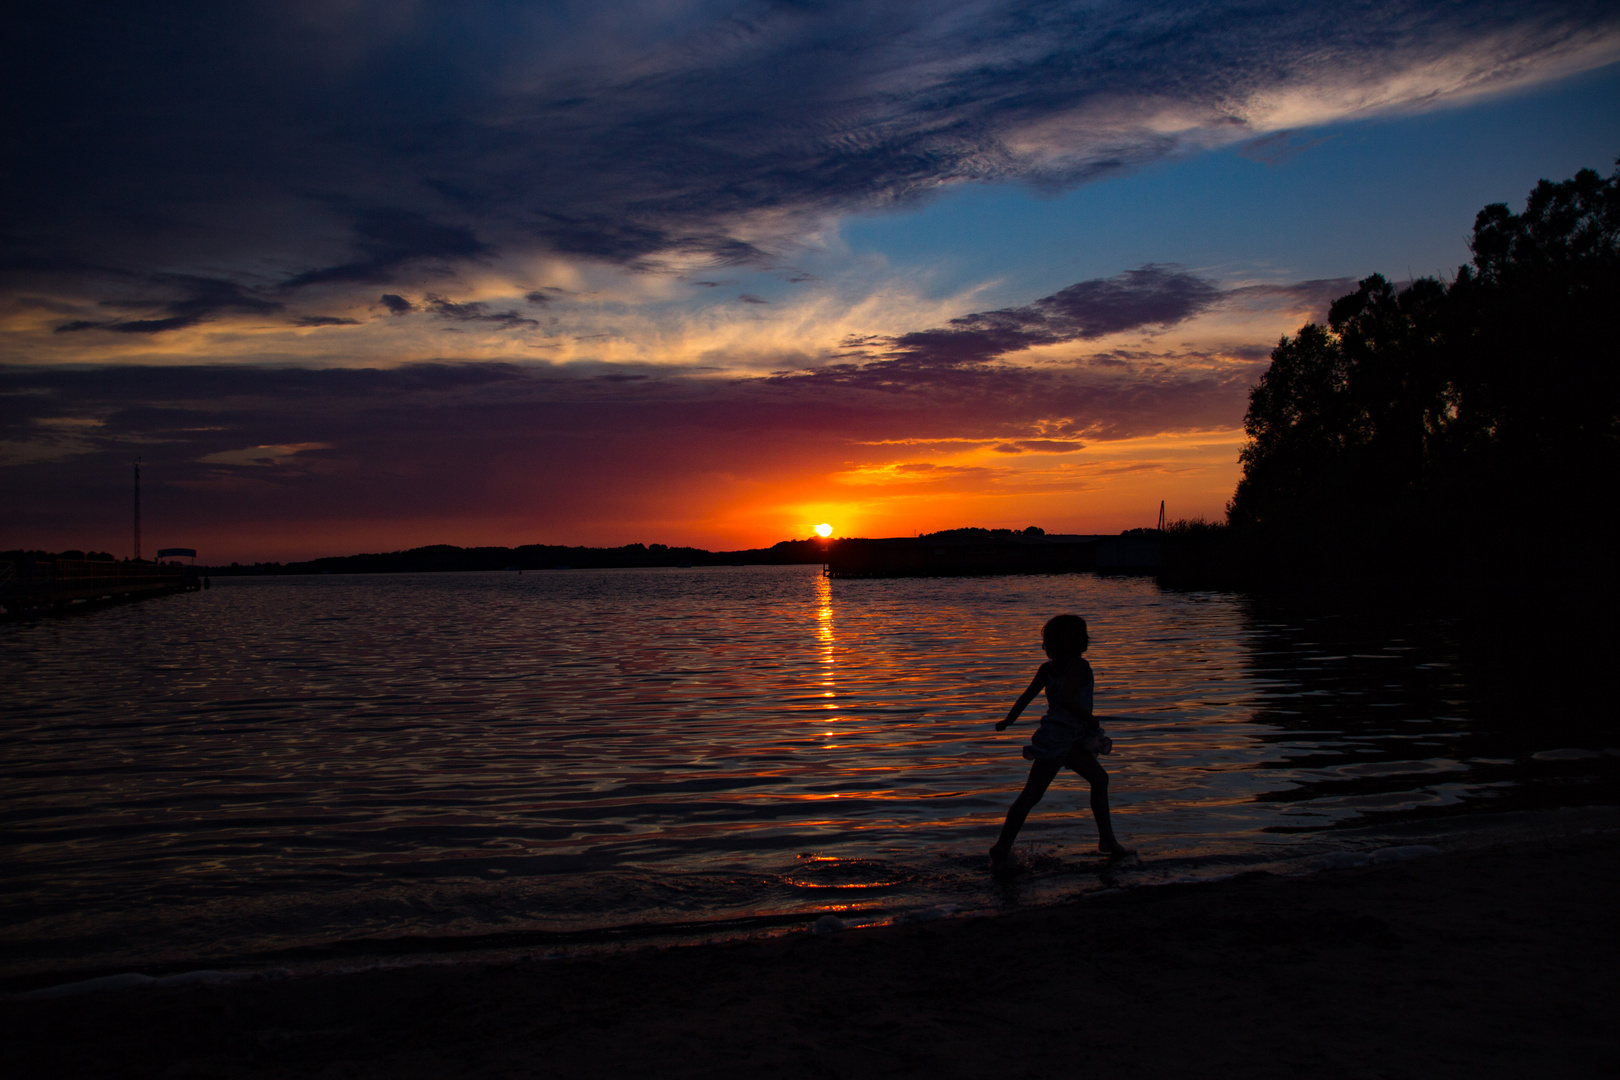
(295, 147)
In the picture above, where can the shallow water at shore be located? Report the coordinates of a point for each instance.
(361, 766)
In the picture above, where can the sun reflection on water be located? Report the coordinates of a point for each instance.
(827, 645)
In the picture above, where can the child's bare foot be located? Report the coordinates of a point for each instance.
(1000, 857)
(1115, 850)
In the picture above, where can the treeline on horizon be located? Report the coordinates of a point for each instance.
(1454, 431)
(22, 554)
(436, 558)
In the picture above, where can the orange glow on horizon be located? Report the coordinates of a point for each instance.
(1107, 487)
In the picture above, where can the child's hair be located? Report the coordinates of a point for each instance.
(1065, 637)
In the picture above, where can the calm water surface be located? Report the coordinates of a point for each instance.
(311, 768)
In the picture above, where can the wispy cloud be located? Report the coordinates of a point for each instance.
(474, 311)
(199, 299)
(387, 240)
(314, 149)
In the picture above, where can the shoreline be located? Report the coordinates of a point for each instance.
(1417, 967)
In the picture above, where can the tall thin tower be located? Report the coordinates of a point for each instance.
(137, 509)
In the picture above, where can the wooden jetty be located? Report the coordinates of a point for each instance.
(33, 586)
(906, 556)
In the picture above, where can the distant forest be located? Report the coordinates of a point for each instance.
(444, 557)
(447, 557)
(1463, 429)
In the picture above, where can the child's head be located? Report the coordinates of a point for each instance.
(1065, 637)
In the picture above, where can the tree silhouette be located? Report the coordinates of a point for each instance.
(1451, 422)
(1300, 423)
(1538, 375)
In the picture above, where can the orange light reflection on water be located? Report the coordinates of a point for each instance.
(827, 644)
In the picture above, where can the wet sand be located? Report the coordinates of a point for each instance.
(1493, 964)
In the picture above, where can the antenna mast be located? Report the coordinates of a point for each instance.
(137, 509)
(1161, 515)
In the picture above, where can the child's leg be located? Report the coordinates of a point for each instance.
(1090, 768)
(1041, 772)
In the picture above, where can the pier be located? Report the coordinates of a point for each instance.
(33, 586)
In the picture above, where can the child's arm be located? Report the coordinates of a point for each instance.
(1036, 685)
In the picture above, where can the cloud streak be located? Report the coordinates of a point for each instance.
(199, 300)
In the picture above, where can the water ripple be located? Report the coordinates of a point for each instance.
(291, 763)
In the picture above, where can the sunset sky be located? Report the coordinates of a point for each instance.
(354, 276)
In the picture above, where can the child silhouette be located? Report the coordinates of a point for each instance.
(1069, 734)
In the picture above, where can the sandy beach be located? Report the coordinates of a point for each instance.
(1497, 963)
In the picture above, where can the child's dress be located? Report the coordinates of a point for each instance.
(1060, 728)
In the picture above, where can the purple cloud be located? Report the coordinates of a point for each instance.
(1151, 295)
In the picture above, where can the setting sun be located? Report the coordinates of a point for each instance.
(824, 530)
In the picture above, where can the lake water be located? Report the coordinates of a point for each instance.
(330, 770)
